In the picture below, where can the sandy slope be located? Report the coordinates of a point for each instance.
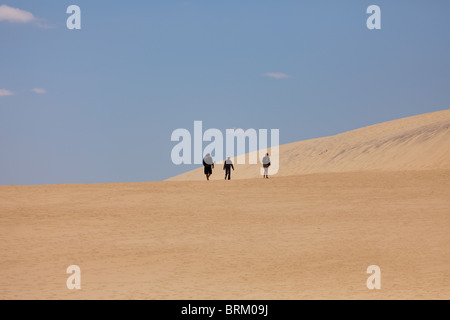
(309, 236)
(414, 143)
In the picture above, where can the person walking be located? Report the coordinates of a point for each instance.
(227, 166)
(266, 165)
(208, 164)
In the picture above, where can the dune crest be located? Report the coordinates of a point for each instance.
(420, 142)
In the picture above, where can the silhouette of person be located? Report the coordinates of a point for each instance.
(227, 166)
(208, 165)
(266, 165)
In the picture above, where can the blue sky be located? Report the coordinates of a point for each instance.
(113, 92)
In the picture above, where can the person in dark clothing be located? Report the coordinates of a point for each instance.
(227, 166)
(266, 165)
(208, 165)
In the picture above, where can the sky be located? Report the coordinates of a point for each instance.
(99, 104)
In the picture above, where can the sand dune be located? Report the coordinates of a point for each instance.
(414, 143)
(305, 236)
(297, 237)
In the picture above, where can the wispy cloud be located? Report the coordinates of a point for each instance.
(15, 15)
(4, 93)
(39, 90)
(277, 75)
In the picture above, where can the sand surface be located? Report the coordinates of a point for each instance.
(374, 196)
(421, 142)
(305, 236)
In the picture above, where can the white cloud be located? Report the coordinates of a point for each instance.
(15, 15)
(277, 75)
(4, 93)
(39, 90)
